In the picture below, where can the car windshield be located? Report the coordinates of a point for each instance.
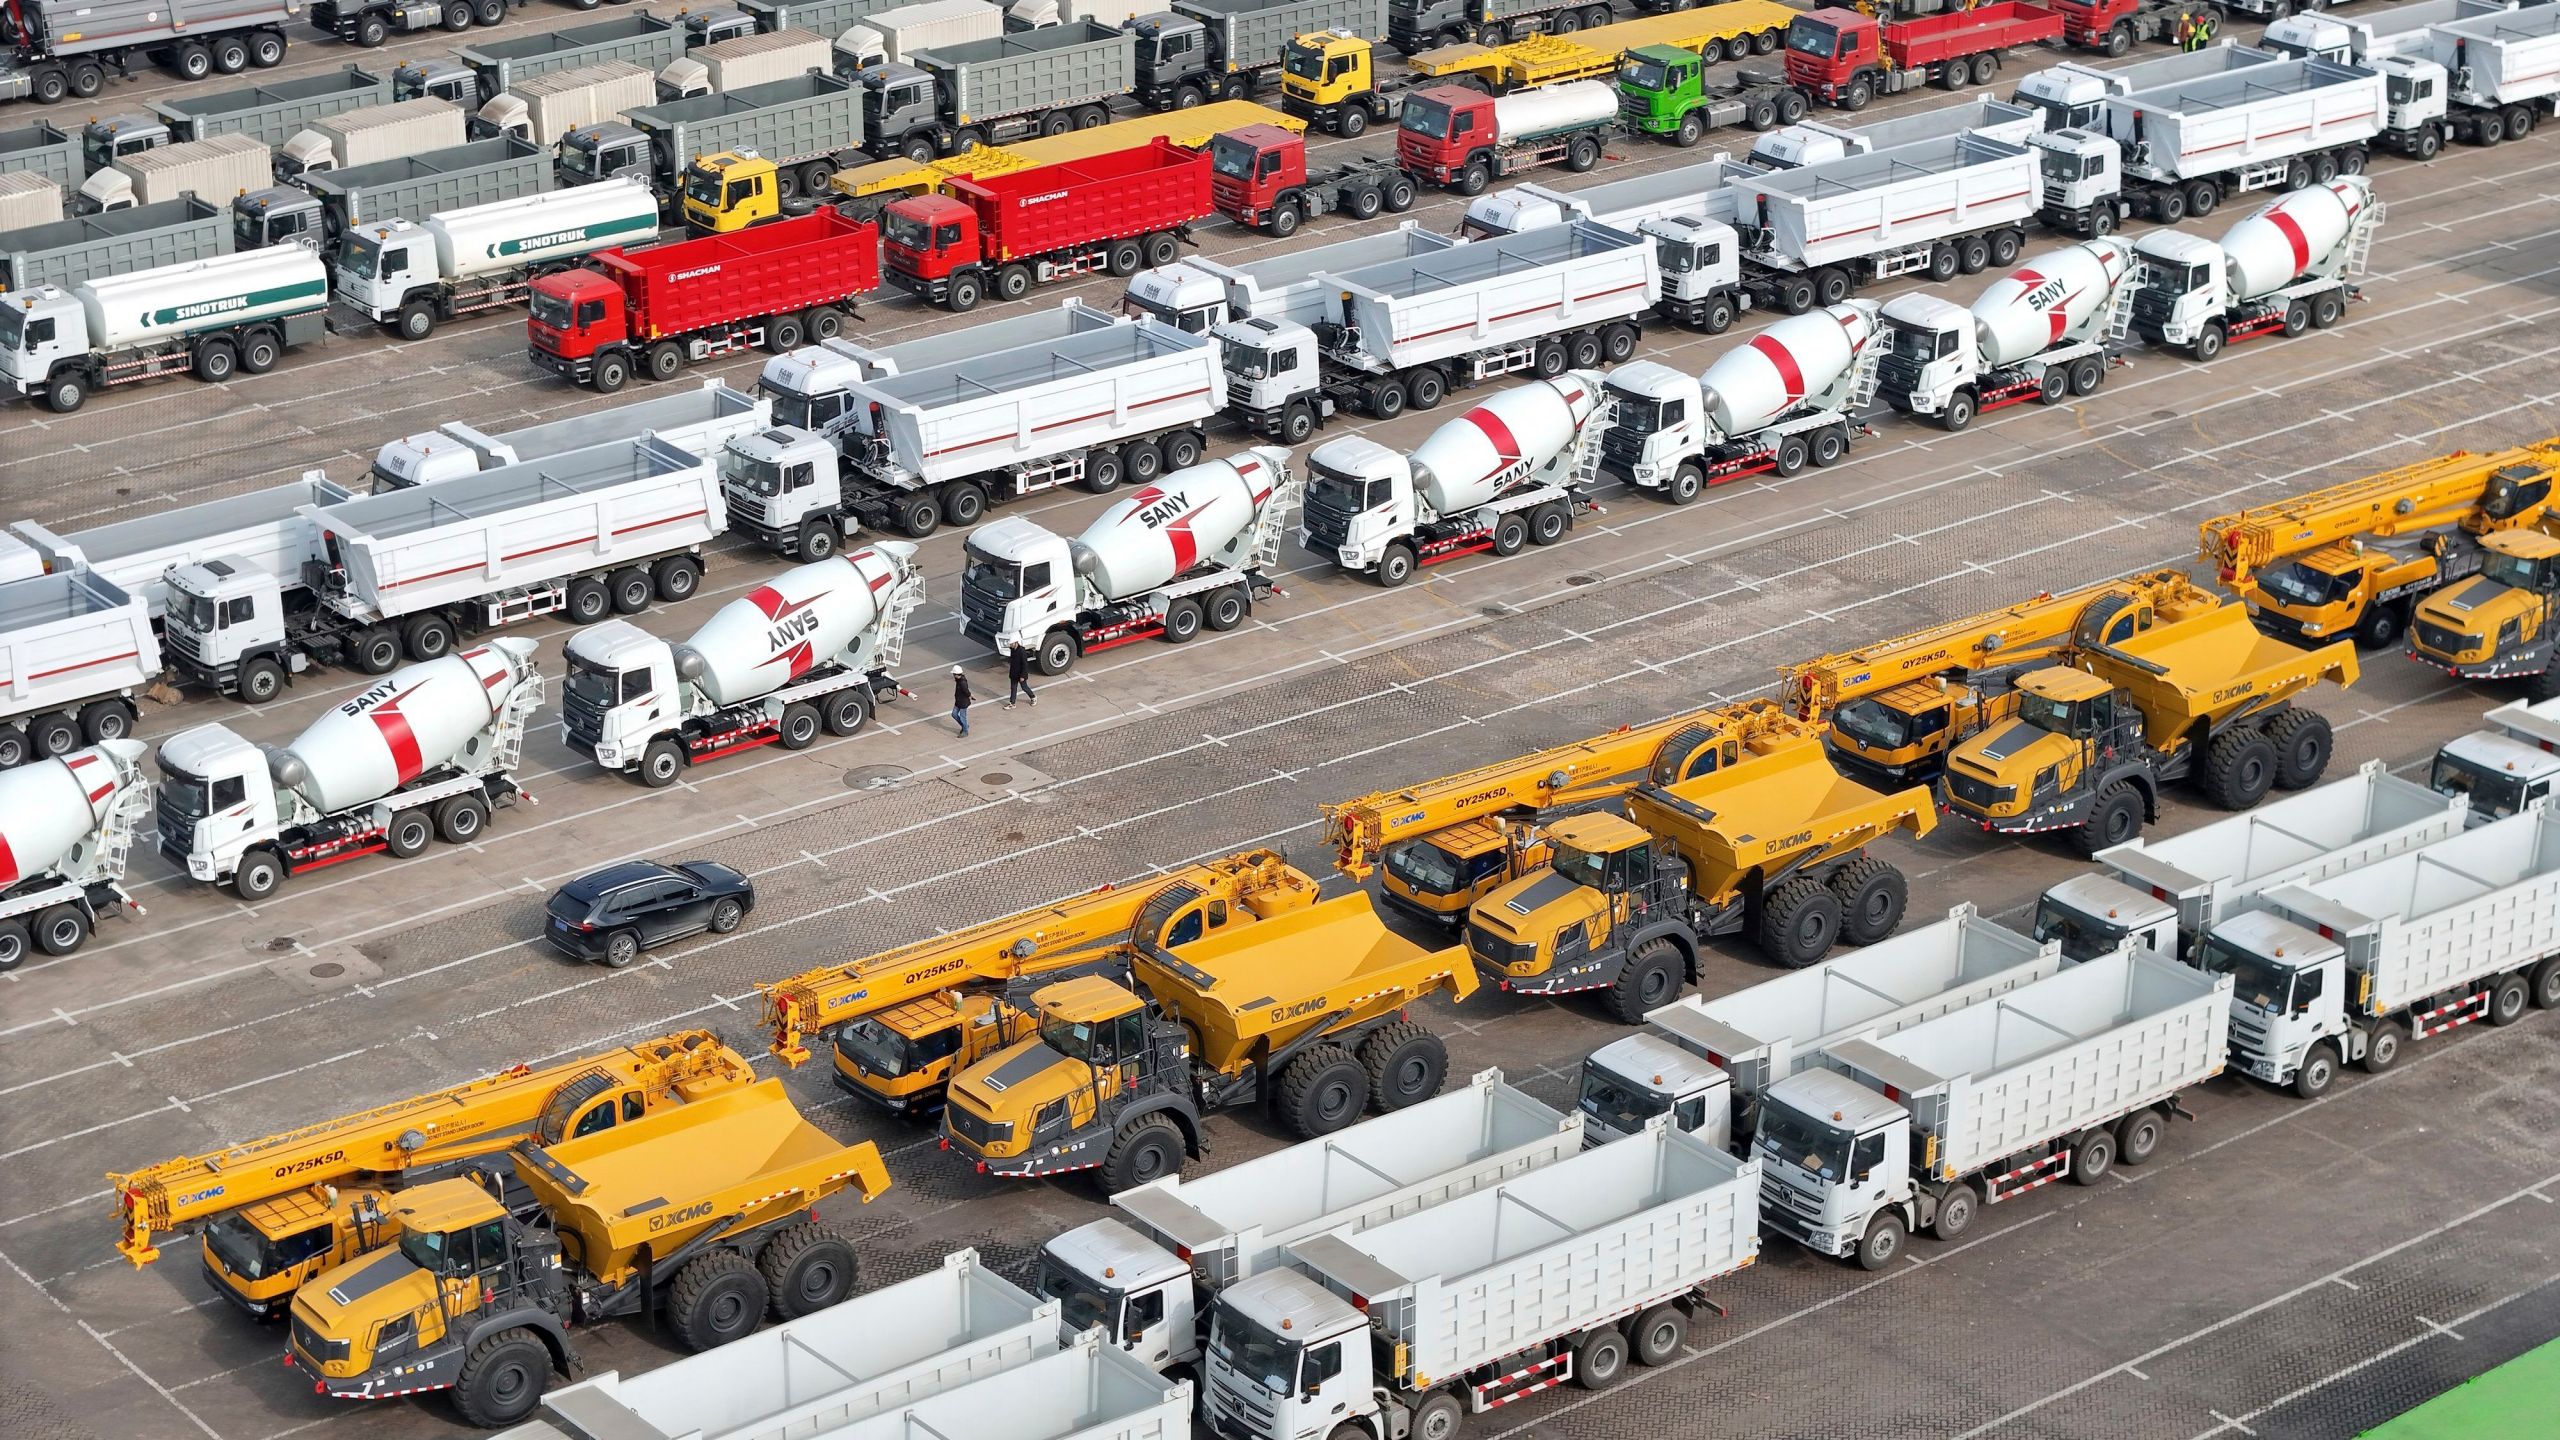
(1231, 157)
(1081, 1303)
(993, 578)
(1349, 494)
(1425, 868)
(1807, 37)
(1912, 343)
(550, 308)
(2495, 794)
(2254, 980)
(1638, 73)
(252, 1256)
(590, 684)
(1873, 724)
(1790, 1137)
(1582, 867)
(2082, 936)
(906, 230)
(878, 1049)
(359, 257)
(1254, 1352)
(2513, 571)
(1428, 118)
(2299, 584)
(1619, 1104)
(751, 473)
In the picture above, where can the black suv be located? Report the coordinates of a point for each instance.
(614, 913)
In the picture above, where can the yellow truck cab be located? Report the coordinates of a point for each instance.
(1328, 79)
(902, 1058)
(729, 191)
(2497, 625)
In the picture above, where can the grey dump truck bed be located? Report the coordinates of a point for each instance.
(416, 186)
(87, 27)
(830, 18)
(45, 150)
(642, 39)
(144, 237)
(1249, 34)
(782, 120)
(1035, 70)
(273, 112)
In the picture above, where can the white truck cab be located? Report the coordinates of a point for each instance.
(1654, 1072)
(378, 264)
(2182, 283)
(1181, 295)
(785, 487)
(1373, 485)
(2506, 767)
(630, 680)
(217, 799)
(1027, 572)
(39, 330)
(2072, 96)
(1271, 367)
(1287, 1358)
(810, 387)
(2288, 992)
(2416, 94)
(2096, 914)
(1834, 1155)
(1105, 1273)
(1660, 421)
(2082, 175)
(226, 613)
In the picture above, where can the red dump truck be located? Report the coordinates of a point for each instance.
(1848, 58)
(655, 310)
(1001, 234)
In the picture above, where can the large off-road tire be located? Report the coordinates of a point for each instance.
(2116, 818)
(2303, 741)
(806, 1269)
(502, 1379)
(1149, 1149)
(1653, 978)
(1799, 923)
(1322, 1091)
(2240, 769)
(1405, 1064)
(717, 1298)
(1873, 896)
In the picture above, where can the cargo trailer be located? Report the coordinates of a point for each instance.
(27, 200)
(1001, 234)
(954, 98)
(1198, 294)
(895, 34)
(2190, 145)
(214, 318)
(1087, 1391)
(702, 420)
(370, 136)
(43, 150)
(1418, 25)
(407, 277)
(273, 112)
(756, 59)
(64, 50)
(1815, 141)
(269, 528)
(325, 207)
(642, 38)
(371, 23)
(807, 127)
(2073, 94)
(1848, 56)
(76, 647)
(1687, 214)
(118, 242)
(545, 108)
(826, 19)
(211, 169)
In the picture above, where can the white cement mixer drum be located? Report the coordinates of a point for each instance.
(1758, 382)
(788, 626)
(2051, 299)
(49, 807)
(1165, 528)
(401, 726)
(1493, 446)
(2292, 235)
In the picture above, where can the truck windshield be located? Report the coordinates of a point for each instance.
(1910, 343)
(702, 187)
(424, 1249)
(188, 796)
(1638, 73)
(1580, 866)
(550, 309)
(1641, 414)
(576, 161)
(2299, 584)
(1254, 1352)
(2495, 794)
(193, 612)
(1812, 37)
(2254, 979)
(1427, 118)
(1082, 1304)
(906, 230)
(1304, 61)
(1791, 1137)
(249, 1255)
(751, 473)
(359, 258)
(1873, 724)
(2512, 571)
(1231, 157)
(874, 1047)
(1425, 868)
(1252, 362)
(9, 328)
(1071, 1038)
(1619, 1104)
(2082, 937)
(1343, 494)
(2052, 716)
(591, 685)
(991, 577)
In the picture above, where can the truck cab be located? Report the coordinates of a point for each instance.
(1052, 1103)
(305, 152)
(924, 241)
(606, 150)
(216, 800)
(111, 138)
(1444, 129)
(1328, 79)
(2093, 915)
(276, 215)
(2498, 623)
(2071, 95)
(39, 331)
(902, 1058)
(1181, 295)
(2506, 767)
(2082, 175)
(2289, 992)
(784, 487)
(1929, 353)
(1018, 582)
(1609, 888)
(1661, 420)
(2025, 772)
(1630, 1080)
(624, 687)
(902, 111)
(576, 315)
(1105, 1273)
(1273, 376)
(811, 387)
(440, 78)
(2416, 95)
(1807, 142)
(1360, 494)
(1173, 55)
(379, 266)
(2181, 283)
(733, 190)
(1287, 1357)
(1252, 169)
(225, 616)
(1831, 49)
(1835, 1155)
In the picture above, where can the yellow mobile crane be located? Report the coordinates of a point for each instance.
(286, 1208)
(2356, 559)
(2503, 623)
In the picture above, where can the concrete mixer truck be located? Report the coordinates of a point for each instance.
(1775, 404)
(2039, 333)
(421, 754)
(1194, 548)
(811, 647)
(2286, 268)
(66, 825)
(1505, 473)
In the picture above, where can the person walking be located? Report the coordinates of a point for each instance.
(1017, 673)
(960, 700)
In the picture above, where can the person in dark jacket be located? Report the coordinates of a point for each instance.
(960, 700)
(1017, 672)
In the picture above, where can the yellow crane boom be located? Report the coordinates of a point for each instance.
(2432, 494)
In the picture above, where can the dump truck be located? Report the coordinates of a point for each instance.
(1773, 846)
(2352, 967)
(1002, 234)
(2356, 559)
(277, 1211)
(1194, 51)
(1687, 215)
(369, 136)
(952, 98)
(2114, 27)
(273, 111)
(1414, 26)
(2192, 144)
(392, 581)
(2288, 268)
(2063, 1079)
(1147, 1276)
(66, 49)
(1413, 1325)
(652, 311)
(641, 38)
(223, 165)
(2402, 29)
(826, 18)
(406, 276)
(810, 648)
(2161, 896)
(371, 23)
(1259, 179)
(719, 1193)
(1087, 1390)
(1198, 293)
(1706, 1063)
(1304, 1012)
(214, 318)
(894, 35)
(2073, 95)
(702, 420)
(1848, 57)
(1192, 550)
(1811, 142)
(1774, 405)
(802, 130)
(755, 59)
(871, 1353)
(2503, 71)
(66, 827)
(44, 150)
(270, 528)
(328, 206)
(1460, 137)
(2503, 768)
(2041, 333)
(78, 648)
(546, 107)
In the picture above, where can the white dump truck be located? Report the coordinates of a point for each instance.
(584, 535)
(66, 827)
(2503, 73)
(1194, 549)
(807, 649)
(813, 1375)
(1199, 294)
(1687, 214)
(1147, 1276)
(2363, 39)
(2283, 270)
(1505, 473)
(1407, 1327)
(2509, 765)
(1706, 1063)
(542, 110)
(2041, 333)
(407, 276)
(1811, 142)
(2351, 967)
(370, 136)
(2073, 95)
(423, 753)
(701, 421)
(1775, 404)
(1087, 1390)
(2191, 144)
(1917, 1130)
(215, 318)
(75, 647)
(271, 528)
(2161, 896)
(212, 170)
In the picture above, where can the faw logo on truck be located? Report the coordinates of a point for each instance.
(594, 235)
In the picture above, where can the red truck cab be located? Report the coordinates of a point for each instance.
(1826, 48)
(924, 238)
(1445, 125)
(1251, 168)
(575, 313)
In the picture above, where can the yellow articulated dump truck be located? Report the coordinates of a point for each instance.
(1773, 846)
(278, 1211)
(704, 1209)
(2206, 697)
(2503, 623)
(1307, 1013)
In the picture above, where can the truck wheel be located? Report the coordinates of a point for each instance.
(1687, 483)
(1618, 341)
(260, 874)
(230, 55)
(429, 637)
(1883, 1243)
(1857, 95)
(1386, 399)
(1830, 286)
(717, 1298)
(1322, 1091)
(1405, 1064)
(1297, 424)
(1354, 122)
(2093, 1157)
(55, 735)
(2429, 144)
(1395, 565)
(1057, 653)
(1873, 896)
(1956, 1210)
(2120, 39)
(783, 334)
(1793, 452)
(2138, 1137)
(2208, 343)
(665, 361)
(1581, 154)
(1124, 259)
(48, 85)
(1795, 294)
(1959, 412)
(588, 600)
(1973, 254)
(1146, 1150)
(1549, 360)
(1143, 459)
(847, 711)
(61, 929)
(2087, 374)
(375, 651)
(612, 371)
(1799, 923)
(1473, 179)
(2203, 197)
(1425, 388)
(1225, 610)
(266, 50)
(2303, 740)
(822, 322)
(1102, 471)
(2319, 1071)
(502, 1379)
(1829, 444)
(461, 818)
(631, 590)
(1601, 1360)
(963, 503)
(1716, 316)
(1399, 193)
(1057, 122)
(191, 61)
(1440, 1416)
(1013, 282)
(798, 729)
(1652, 979)
(371, 31)
(918, 148)
(2507, 999)
(1510, 534)
(2380, 626)
(2545, 985)
(2005, 245)
(2115, 819)
(216, 361)
(103, 720)
(260, 349)
(816, 541)
(1364, 202)
(660, 764)
(2239, 769)
(13, 747)
(261, 680)
(408, 833)
(457, 15)
(806, 1269)
(489, 12)
(676, 577)
(1658, 1334)
(1584, 349)
(13, 945)
(1162, 247)
(1183, 449)
(1181, 621)
(1548, 523)
(2327, 309)
(2297, 318)
(919, 516)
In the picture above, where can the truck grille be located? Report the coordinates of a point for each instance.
(1635, 110)
(175, 832)
(581, 723)
(1979, 792)
(1494, 950)
(1622, 446)
(2152, 307)
(1898, 373)
(1327, 526)
(976, 1129)
(308, 1341)
(2439, 639)
(979, 610)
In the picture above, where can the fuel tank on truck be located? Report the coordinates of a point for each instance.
(48, 808)
(792, 623)
(1757, 383)
(411, 721)
(2050, 298)
(1173, 524)
(2292, 235)
(1493, 446)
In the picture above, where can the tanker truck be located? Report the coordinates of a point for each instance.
(2039, 333)
(421, 754)
(407, 276)
(810, 647)
(1775, 404)
(1194, 548)
(1461, 137)
(1507, 472)
(2286, 269)
(217, 318)
(66, 825)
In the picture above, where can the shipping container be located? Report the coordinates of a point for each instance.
(26, 200)
(747, 60)
(897, 33)
(370, 136)
(545, 108)
(789, 122)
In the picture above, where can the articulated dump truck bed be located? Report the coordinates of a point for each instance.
(2214, 664)
(1772, 810)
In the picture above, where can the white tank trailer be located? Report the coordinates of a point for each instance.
(701, 421)
(809, 649)
(2040, 333)
(66, 826)
(543, 108)
(214, 318)
(408, 276)
(370, 136)
(1774, 404)
(2283, 269)
(76, 647)
(422, 753)
(1193, 549)
(746, 60)
(212, 170)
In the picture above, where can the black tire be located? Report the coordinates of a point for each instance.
(1884, 1241)
(61, 929)
(1181, 621)
(1352, 123)
(1322, 1091)
(1830, 285)
(1793, 455)
(2545, 985)
(2327, 309)
(1395, 565)
(66, 392)
(1548, 523)
(1013, 282)
(621, 950)
(727, 915)
(266, 50)
(1057, 653)
(965, 292)
(461, 818)
(502, 1379)
(2303, 741)
(1399, 193)
(1406, 1065)
(919, 516)
(1618, 342)
(2240, 769)
(1425, 388)
(1956, 1211)
(1873, 896)
(416, 321)
(260, 874)
(1857, 96)
(1652, 978)
(2087, 374)
(1973, 254)
(816, 541)
(230, 57)
(1583, 346)
(588, 601)
(1124, 259)
(1182, 449)
(261, 680)
(1829, 446)
(1549, 360)
(408, 833)
(1298, 423)
(1510, 534)
(675, 579)
(717, 1298)
(963, 503)
(216, 361)
(13, 945)
(1473, 179)
(823, 322)
(660, 764)
(2119, 39)
(2208, 344)
(2005, 245)
(191, 61)
(2138, 1137)
(489, 12)
(2319, 1071)
(2116, 818)
(2203, 198)
(1693, 128)
(1799, 923)
(371, 31)
(1386, 399)
(2169, 207)
(664, 360)
(427, 637)
(1795, 294)
(1600, 1361)
(2509, 998)
(847, 711)
(806, 1268)
(375, 651)
(49, 85)
(1283, 221)
(612, 371)
(2093, 1157)
(1581, 154)
(1658, 1334)
(630, 589)
(1147, 1149)
(1959, 411)
(1943, 263)
(2381, 1048)
(784, 334)
(52, 735)
(1717, 315)
(457, 16)
(1102, 471)
(2297, 318)
(798, 728)
(1225, 610)
(1144, 459)
(102, 720)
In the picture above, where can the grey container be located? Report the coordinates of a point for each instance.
(985, 80)
(44, 149)
(1248, 34)
(417, 186)
(830, 18)
(274, 112)
(641, 39)
(87, 247)
(94, 25)
(785, 121)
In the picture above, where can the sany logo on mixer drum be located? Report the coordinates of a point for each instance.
(794, 621)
